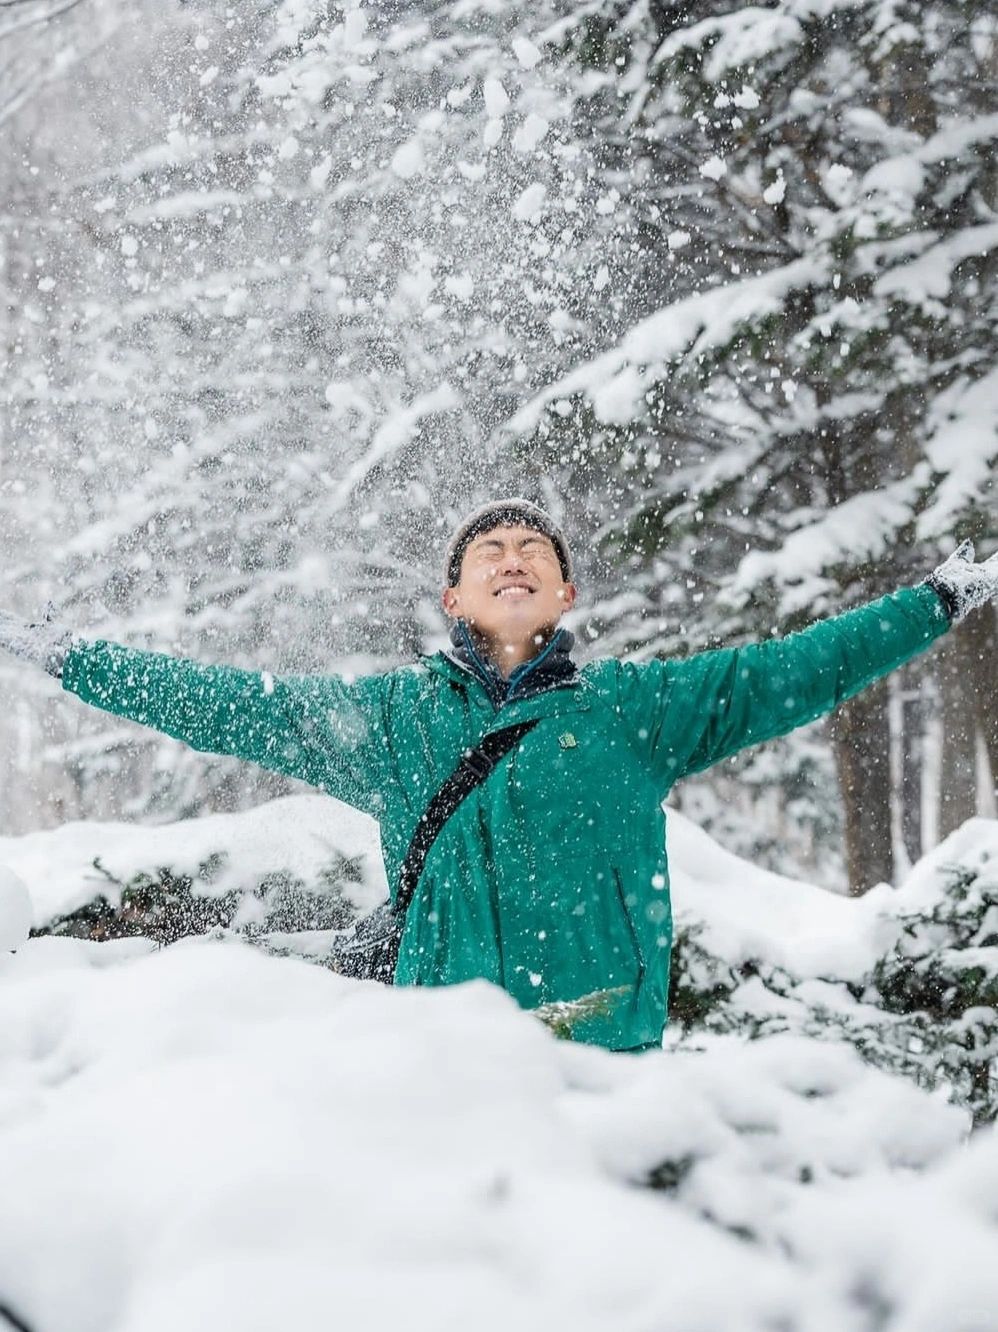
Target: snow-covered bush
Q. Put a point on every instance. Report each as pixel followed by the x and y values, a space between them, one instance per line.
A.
pixel 162 905
pixel 300 865
pixel 923 1001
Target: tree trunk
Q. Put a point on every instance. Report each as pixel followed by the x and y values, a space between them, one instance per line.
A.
pixel 912 716
pixel 979 636
pixel 905 87
pixel 861 743
pixel 958 769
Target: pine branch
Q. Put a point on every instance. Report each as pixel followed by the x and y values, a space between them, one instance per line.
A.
pixel 563 1015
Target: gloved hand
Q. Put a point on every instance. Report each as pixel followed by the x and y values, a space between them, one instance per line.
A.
pixel 963 585
pixel 44 644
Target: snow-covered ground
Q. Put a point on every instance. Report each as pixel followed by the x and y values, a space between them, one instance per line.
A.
pixel 205 1136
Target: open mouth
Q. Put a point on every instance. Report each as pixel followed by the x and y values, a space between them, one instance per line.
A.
pixel 514 590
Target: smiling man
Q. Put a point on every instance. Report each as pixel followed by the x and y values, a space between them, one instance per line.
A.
pixel 508 583
pixel 520 796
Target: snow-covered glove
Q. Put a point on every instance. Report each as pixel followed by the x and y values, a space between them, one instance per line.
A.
pixel 961 584
pixel 44 644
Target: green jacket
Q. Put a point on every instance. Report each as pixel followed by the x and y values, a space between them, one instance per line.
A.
pixel 551 879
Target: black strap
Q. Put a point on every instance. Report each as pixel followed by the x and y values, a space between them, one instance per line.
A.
pixel 475 766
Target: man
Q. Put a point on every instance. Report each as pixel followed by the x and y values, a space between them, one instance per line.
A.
pixel 549 877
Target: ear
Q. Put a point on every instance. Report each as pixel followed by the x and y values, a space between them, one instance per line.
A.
pixel 451 602
pixel 568 596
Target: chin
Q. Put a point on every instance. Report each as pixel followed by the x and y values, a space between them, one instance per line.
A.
pixel 522 619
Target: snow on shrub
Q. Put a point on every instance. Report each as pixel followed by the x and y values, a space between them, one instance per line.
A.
pixel 907 977
pixel 926 1004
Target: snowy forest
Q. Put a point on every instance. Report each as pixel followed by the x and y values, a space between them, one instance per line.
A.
pixel 286 287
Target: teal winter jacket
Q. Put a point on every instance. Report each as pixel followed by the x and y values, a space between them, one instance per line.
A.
pixel 551 878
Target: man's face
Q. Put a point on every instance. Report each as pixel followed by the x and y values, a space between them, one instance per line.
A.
pixel 511 588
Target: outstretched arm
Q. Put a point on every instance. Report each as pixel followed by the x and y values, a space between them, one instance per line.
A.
pixel 743 696
pixel 696 712
pixel 322 729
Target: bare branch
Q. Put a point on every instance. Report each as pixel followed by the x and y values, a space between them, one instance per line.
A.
pixel 35 20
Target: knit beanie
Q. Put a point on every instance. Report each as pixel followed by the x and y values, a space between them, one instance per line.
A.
pixel 514 512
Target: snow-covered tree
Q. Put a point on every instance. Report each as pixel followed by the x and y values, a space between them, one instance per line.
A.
pixel 812 417
pixel 302 307
pixel 44 45
pixel 287 285
pixel 40 40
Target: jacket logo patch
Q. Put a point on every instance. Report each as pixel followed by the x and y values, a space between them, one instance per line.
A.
pixel 567 741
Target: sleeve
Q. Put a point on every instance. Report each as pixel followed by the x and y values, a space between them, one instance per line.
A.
pixel 322 729
pixel 694 713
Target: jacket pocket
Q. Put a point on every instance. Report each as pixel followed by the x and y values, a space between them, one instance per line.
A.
pixel 632 935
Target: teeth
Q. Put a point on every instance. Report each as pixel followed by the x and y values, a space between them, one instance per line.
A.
pixel 515 588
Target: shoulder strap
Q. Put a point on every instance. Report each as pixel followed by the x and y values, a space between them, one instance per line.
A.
pixel 475 766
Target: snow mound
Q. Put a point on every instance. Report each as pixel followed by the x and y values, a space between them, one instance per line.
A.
pixel 15 910
pixel 209 1137
pixel 297 835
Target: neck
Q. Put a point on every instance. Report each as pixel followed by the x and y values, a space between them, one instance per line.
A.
pixel 506 655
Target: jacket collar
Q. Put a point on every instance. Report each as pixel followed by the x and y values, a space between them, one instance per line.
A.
pixel 552 666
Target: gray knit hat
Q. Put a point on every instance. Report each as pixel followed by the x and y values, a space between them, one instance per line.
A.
pixel 514 512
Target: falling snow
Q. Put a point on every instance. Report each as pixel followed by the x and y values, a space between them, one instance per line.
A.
pixel 287 289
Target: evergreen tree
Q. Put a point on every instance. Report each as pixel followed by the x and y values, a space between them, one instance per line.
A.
pixel 813 419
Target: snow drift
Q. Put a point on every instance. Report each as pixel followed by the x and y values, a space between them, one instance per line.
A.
pixel 206 1135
